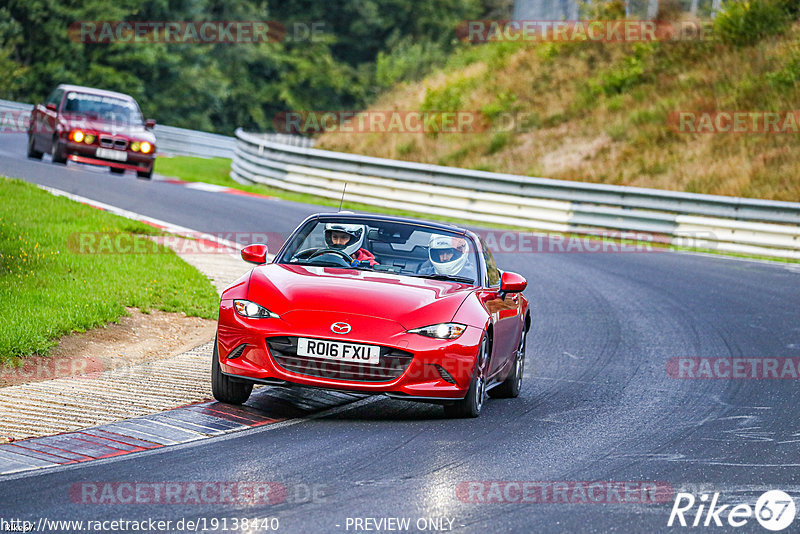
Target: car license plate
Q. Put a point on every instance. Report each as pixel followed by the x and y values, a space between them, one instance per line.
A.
pixel 335 350
pixel 116 155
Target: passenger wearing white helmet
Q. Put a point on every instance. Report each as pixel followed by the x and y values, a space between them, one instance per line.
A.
pixel 447 255
pixel 348 238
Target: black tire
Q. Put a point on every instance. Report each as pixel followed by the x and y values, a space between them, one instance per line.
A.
pixel 145 174
pixel 32 152
pixel 510 387
pixel 115 170
pixel 57 152
pixel 225 388
pixel 470 406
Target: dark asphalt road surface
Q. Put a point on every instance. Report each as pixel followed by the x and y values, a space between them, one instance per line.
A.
pixel 597 402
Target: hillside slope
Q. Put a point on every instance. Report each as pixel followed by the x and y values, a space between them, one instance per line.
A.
pixel 599 112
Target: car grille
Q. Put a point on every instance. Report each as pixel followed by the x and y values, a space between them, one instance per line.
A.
pixel 106 141
pixel 392 364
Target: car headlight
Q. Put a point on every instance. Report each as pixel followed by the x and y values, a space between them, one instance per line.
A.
pixel 246 308
pixel 135 146
pixel 441 331
pixel 76 135
pixel 146 147
pixel 88 139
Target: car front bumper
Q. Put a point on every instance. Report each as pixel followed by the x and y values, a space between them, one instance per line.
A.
pixel 438 369
pixel 83 153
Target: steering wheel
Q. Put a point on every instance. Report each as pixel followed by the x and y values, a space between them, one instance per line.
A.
pixel 311 253
pixel 305 253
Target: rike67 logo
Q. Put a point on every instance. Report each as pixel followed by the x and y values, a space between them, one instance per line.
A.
pixel 774 510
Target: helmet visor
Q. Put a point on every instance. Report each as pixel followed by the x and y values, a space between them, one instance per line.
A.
pixel 338 239
pixel 443 255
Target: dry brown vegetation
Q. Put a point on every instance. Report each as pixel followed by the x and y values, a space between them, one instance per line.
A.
pixel 598 112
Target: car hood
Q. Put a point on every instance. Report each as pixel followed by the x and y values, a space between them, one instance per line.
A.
pixel 137 131
pixel 410 301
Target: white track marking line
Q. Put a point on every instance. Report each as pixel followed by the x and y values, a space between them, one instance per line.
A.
pixel 169 227
pixel 794 267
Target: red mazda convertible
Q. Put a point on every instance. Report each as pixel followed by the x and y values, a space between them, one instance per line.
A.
pixel 375 304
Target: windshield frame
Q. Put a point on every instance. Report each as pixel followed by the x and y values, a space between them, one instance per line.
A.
pixel 128 121
pixel 284 254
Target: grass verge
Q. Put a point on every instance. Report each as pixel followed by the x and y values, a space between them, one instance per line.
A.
pixel 48 289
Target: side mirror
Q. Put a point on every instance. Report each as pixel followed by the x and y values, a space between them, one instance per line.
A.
pixel 50 106
pixel 511 283
pixel 255 253
pixel 150 124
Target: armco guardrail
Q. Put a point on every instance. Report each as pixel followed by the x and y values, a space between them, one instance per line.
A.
pixel 180 141
pixel 14 106
pixel 727 224
pixel 183 142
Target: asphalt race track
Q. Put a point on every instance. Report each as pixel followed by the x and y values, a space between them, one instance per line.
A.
pixel 597 404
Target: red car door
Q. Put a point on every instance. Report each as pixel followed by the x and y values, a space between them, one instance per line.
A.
pixel 45 118
pixel 505 313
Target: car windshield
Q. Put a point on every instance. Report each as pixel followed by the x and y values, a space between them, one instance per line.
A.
pixel 388 246
pixel 106 108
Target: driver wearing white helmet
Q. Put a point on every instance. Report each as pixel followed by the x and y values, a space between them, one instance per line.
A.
pixel 447 255
pixel 348 238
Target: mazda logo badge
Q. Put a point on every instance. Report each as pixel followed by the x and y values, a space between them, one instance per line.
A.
pixel 340 328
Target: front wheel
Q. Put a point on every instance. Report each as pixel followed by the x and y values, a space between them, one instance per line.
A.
pixel 32 152
pixel 57 152
pixel 225 388
pixel 470 406
pixel 115 170
pixel 145 174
